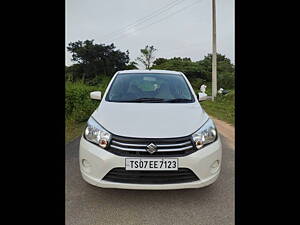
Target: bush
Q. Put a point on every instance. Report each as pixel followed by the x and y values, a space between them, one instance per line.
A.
pixel 226 80
pixel 222 108
pixel 101 81
pixel 78 105
pixel 230 97
pixel 197 82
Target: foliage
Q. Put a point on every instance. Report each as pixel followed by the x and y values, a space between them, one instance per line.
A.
pixel 131 66
pixel 222 108
pixel 184 65
pixel 223 66
pixel 101 81
pixel 147 56
pixel 73 129
pixel 92 59
pixel 159 61
pixel 226 80
pixel 78 105
pixel 200 70
pixel 196 83
pixel 74 73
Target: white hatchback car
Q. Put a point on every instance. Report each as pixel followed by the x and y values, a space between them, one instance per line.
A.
pixel 149 132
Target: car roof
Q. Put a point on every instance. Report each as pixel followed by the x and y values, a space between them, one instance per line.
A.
pixel 149 71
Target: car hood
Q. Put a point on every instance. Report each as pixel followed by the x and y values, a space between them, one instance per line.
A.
pixel 150 120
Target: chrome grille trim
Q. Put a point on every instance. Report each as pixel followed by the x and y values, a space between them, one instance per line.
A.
pixel 175 149
pixel 129 149
pixel 144 150
pixel 174 145
pixel 126 144
pixel 159 145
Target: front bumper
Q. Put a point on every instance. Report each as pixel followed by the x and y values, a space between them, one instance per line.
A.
pixel 101 162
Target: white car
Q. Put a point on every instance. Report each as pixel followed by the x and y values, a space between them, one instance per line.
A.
pixel 149 132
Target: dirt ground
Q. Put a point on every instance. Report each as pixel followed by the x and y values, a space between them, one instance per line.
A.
pixel 227 131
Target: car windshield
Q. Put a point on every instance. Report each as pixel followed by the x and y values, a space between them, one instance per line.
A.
pixel 149 87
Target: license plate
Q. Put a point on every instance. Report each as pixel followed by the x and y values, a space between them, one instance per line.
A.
pixel 151 164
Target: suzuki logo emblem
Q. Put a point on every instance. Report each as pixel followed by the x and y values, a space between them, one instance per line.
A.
pixel 151 148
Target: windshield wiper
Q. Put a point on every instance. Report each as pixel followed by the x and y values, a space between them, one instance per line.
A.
pixel 147 100
pixel 178 100
pixel 158 100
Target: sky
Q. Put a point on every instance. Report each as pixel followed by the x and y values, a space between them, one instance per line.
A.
pixel 176 28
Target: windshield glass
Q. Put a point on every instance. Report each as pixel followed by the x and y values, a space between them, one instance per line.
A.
pixel 148 87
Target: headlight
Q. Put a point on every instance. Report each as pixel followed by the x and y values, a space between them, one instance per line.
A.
pixel 205 135
pixel 97 134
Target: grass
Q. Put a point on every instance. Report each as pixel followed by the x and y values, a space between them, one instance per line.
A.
pixel 222 108
pixel 73 130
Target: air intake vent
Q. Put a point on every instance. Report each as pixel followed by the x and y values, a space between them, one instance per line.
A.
pixel 120 175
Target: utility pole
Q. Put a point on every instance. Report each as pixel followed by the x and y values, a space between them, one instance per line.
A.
pixel 214 53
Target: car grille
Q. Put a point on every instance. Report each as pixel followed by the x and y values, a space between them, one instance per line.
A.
pixel 136 147
pixel 120 175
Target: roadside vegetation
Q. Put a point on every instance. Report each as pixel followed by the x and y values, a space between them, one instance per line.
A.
pixel 222 108
pixel 95 64
pixel 79 106
pixel 73 129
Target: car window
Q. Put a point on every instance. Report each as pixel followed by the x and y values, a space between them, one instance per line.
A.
pixel 147 87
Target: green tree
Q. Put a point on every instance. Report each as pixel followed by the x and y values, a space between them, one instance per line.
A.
pixel 159 61
pixel 131 66
pixel 92 59
pixel 74 72
pixel 147 56
pixel 185 65
pixel 223 65
pixel 199 72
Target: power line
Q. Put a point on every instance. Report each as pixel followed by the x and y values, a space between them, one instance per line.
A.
pixel 144 19
pixel 141 20
pixel 164 18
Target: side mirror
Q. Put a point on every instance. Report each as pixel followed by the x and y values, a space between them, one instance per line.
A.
pixel 95 95
pixel 202 97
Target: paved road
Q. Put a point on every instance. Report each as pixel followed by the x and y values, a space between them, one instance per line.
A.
pixel 89 205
